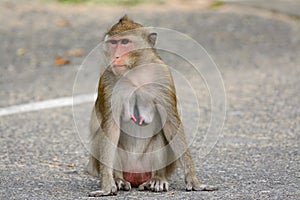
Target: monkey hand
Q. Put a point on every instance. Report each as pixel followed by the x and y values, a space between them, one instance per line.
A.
pixel 192 183
pixel 110 189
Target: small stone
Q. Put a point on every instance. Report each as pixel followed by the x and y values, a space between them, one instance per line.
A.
pixel 20 51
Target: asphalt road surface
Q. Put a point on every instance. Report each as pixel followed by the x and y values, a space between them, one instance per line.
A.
pixel 255 47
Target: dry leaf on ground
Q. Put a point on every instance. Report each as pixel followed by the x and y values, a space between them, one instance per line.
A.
pixel 75 52
pixel 62 22
pixel 59 61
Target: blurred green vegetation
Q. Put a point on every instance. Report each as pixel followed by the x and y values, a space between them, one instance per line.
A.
pixel 122 2
pixel 71 1
pixel 216 3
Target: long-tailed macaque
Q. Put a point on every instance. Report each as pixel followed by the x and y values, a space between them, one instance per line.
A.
pixel 137 135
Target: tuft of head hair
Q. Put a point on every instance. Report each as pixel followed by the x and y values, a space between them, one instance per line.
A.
pixel 124 24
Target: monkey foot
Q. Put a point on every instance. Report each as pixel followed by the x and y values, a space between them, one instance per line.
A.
pixel 155 184
pixel 122 184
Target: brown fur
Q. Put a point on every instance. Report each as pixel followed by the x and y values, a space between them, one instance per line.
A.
pixel 124 24
pixel 107 136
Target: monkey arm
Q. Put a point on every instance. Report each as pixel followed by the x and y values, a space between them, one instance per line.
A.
pixel 104 149
pixel 105 134
pixel 174 133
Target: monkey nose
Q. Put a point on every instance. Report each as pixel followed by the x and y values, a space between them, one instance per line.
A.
pixel 117 61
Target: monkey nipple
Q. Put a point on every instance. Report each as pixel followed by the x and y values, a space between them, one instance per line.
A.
pixel 142 119
pixel 140 122
pixel 133 118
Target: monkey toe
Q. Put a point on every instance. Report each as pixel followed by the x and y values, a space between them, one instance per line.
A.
pixel 159 185
pixel 192 183
pixel 100 193
pixel 206 188
pixel 155 185
pixel 188 187
pixel 106 192
pixel 97 193
pixel 197 187
pixel 144 186
pixel 122 184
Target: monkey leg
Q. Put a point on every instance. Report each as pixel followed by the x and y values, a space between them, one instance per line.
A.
pixel 92 167
pixel 179 145
pixel 191 180
pixel 158 183
pixel 106 152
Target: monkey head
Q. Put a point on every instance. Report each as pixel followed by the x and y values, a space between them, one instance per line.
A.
pixel 126 43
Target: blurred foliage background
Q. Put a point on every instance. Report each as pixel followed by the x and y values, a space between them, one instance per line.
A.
pixel 124 2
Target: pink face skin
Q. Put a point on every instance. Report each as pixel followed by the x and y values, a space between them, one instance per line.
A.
pixel 119 48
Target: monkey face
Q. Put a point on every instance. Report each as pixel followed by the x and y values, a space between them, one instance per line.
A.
pixel 119 48
pixel 124 50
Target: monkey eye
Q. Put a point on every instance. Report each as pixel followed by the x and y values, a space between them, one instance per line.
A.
pixel 125 41
pixel 113 41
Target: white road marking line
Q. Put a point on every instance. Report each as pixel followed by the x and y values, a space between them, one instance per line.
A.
pixel 51 103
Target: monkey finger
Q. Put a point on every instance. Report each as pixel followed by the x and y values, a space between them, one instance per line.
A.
pixel 206 188
pixel 141 187
pixel 144 186
pixel 122 184
pixel 100 193
pixel 188 187
pixel 119 185
pixel 166 186
pixel 192 183
pixel 152 185
pixel 127 186
pixel 158 186
pixel 161 186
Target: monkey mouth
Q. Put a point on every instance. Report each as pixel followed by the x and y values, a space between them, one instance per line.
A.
pixel 120 67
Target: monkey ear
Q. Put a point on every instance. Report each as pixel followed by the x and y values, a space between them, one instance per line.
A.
pixel 152 38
